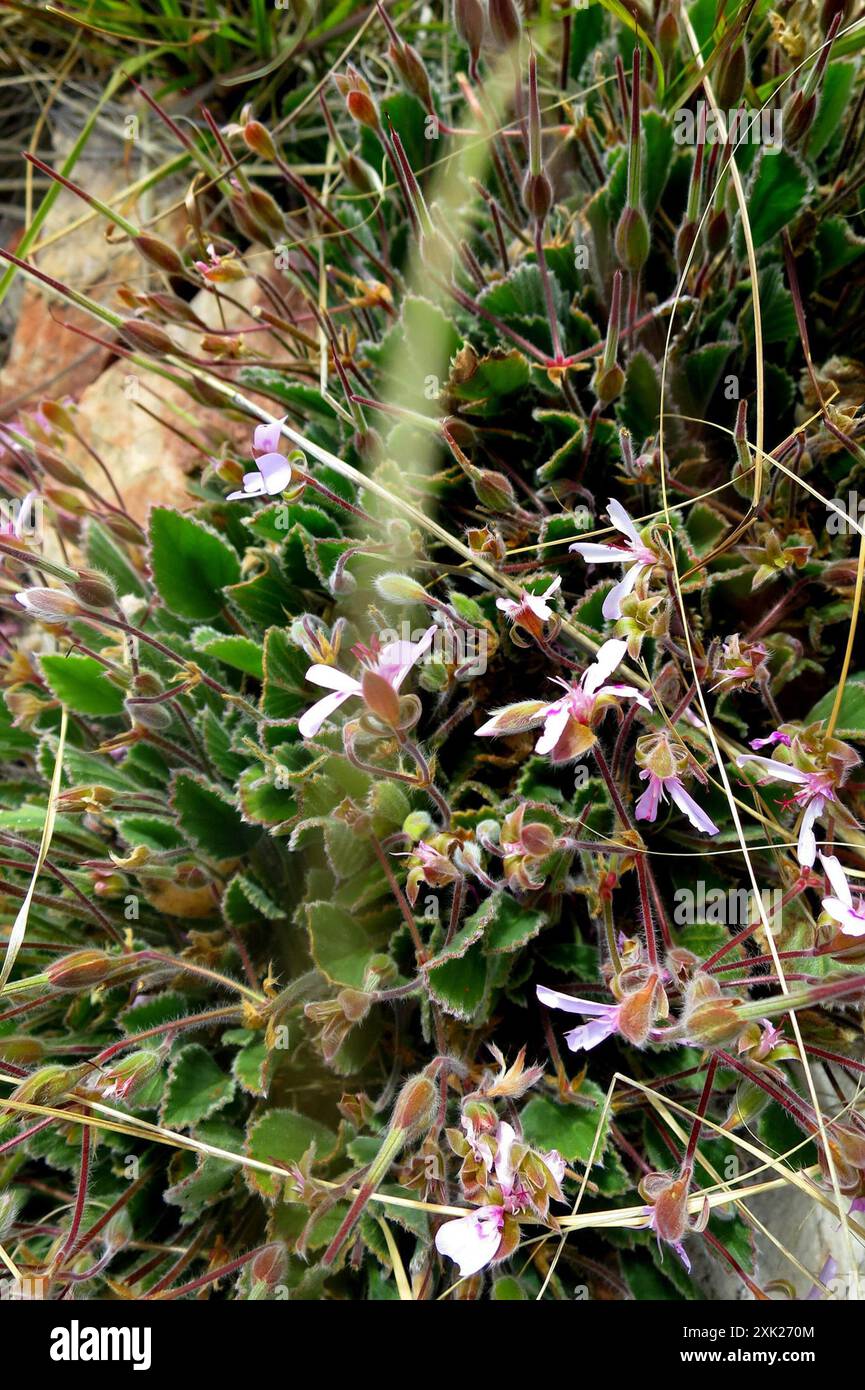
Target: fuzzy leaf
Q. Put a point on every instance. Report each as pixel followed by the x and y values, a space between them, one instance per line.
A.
pixel 191 564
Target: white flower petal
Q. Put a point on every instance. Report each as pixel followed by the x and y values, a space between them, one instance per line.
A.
pixel 609 656
pixel 622 522
pixel 309 723
pixel 612 606
pixel 782 772
pixel 837 878
pixel 696 815
pixel 596 554
pixel 471 1241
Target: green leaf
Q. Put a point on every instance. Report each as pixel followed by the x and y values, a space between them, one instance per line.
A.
pixel 82 683
pixel 339 944
pixel 459 985
pixel 835 94
pixel 549 1124
pixel 210 820
pixel 283 1137
pixel 191 564
pixel 641 398
pixel 286 691
pixel 196 1088
pixel 697 374
pixel 234 650
pixel 851 716
pixel 776 192
pixel 511 925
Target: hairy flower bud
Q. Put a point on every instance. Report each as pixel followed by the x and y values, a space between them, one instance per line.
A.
pixel 94 589
pixel 80 970
pixel 415 1106
pixel 51 605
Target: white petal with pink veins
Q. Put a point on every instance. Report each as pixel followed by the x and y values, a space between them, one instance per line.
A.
pixel 471 1241
pixel 266 438
pixel 555 1000
pixel 554 726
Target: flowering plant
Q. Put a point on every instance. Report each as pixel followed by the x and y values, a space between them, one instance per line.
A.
pixel 490 657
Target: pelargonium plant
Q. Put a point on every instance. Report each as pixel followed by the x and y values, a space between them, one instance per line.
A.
pixel 432 849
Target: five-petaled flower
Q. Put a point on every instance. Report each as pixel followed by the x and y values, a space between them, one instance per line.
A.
pixel 273 472
pixel 841 905
pixel 635 552
pixel 569 722
pixel 384 670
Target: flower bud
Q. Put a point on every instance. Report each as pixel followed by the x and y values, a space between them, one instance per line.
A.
pixel 94 589
pixel 259 140
pixel 411 69
pixel 632 239
pixel 685 240
pixel 80 970
pixel 416 825
pixel 505 22
pixel 492 489
pixel 399 588
pixel 717 232
pixel 537 194
pixel 265 209
pixel 159 253
pixel 415 1106
pixel 51 605
pixel 469 24
pixel 146 336
pixel 58 469
pixel 730 77
pixel 126 1076
pixel 148 714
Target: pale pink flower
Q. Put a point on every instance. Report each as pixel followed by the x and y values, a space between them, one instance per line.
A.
pixel 848 913
pixel 814 791
pixel 272 473
pixel 472 1241
pixel 656 792
pixel 385 669
pixel 604 1017
pixel 530 611
pixel 633 552
pixel 569 721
